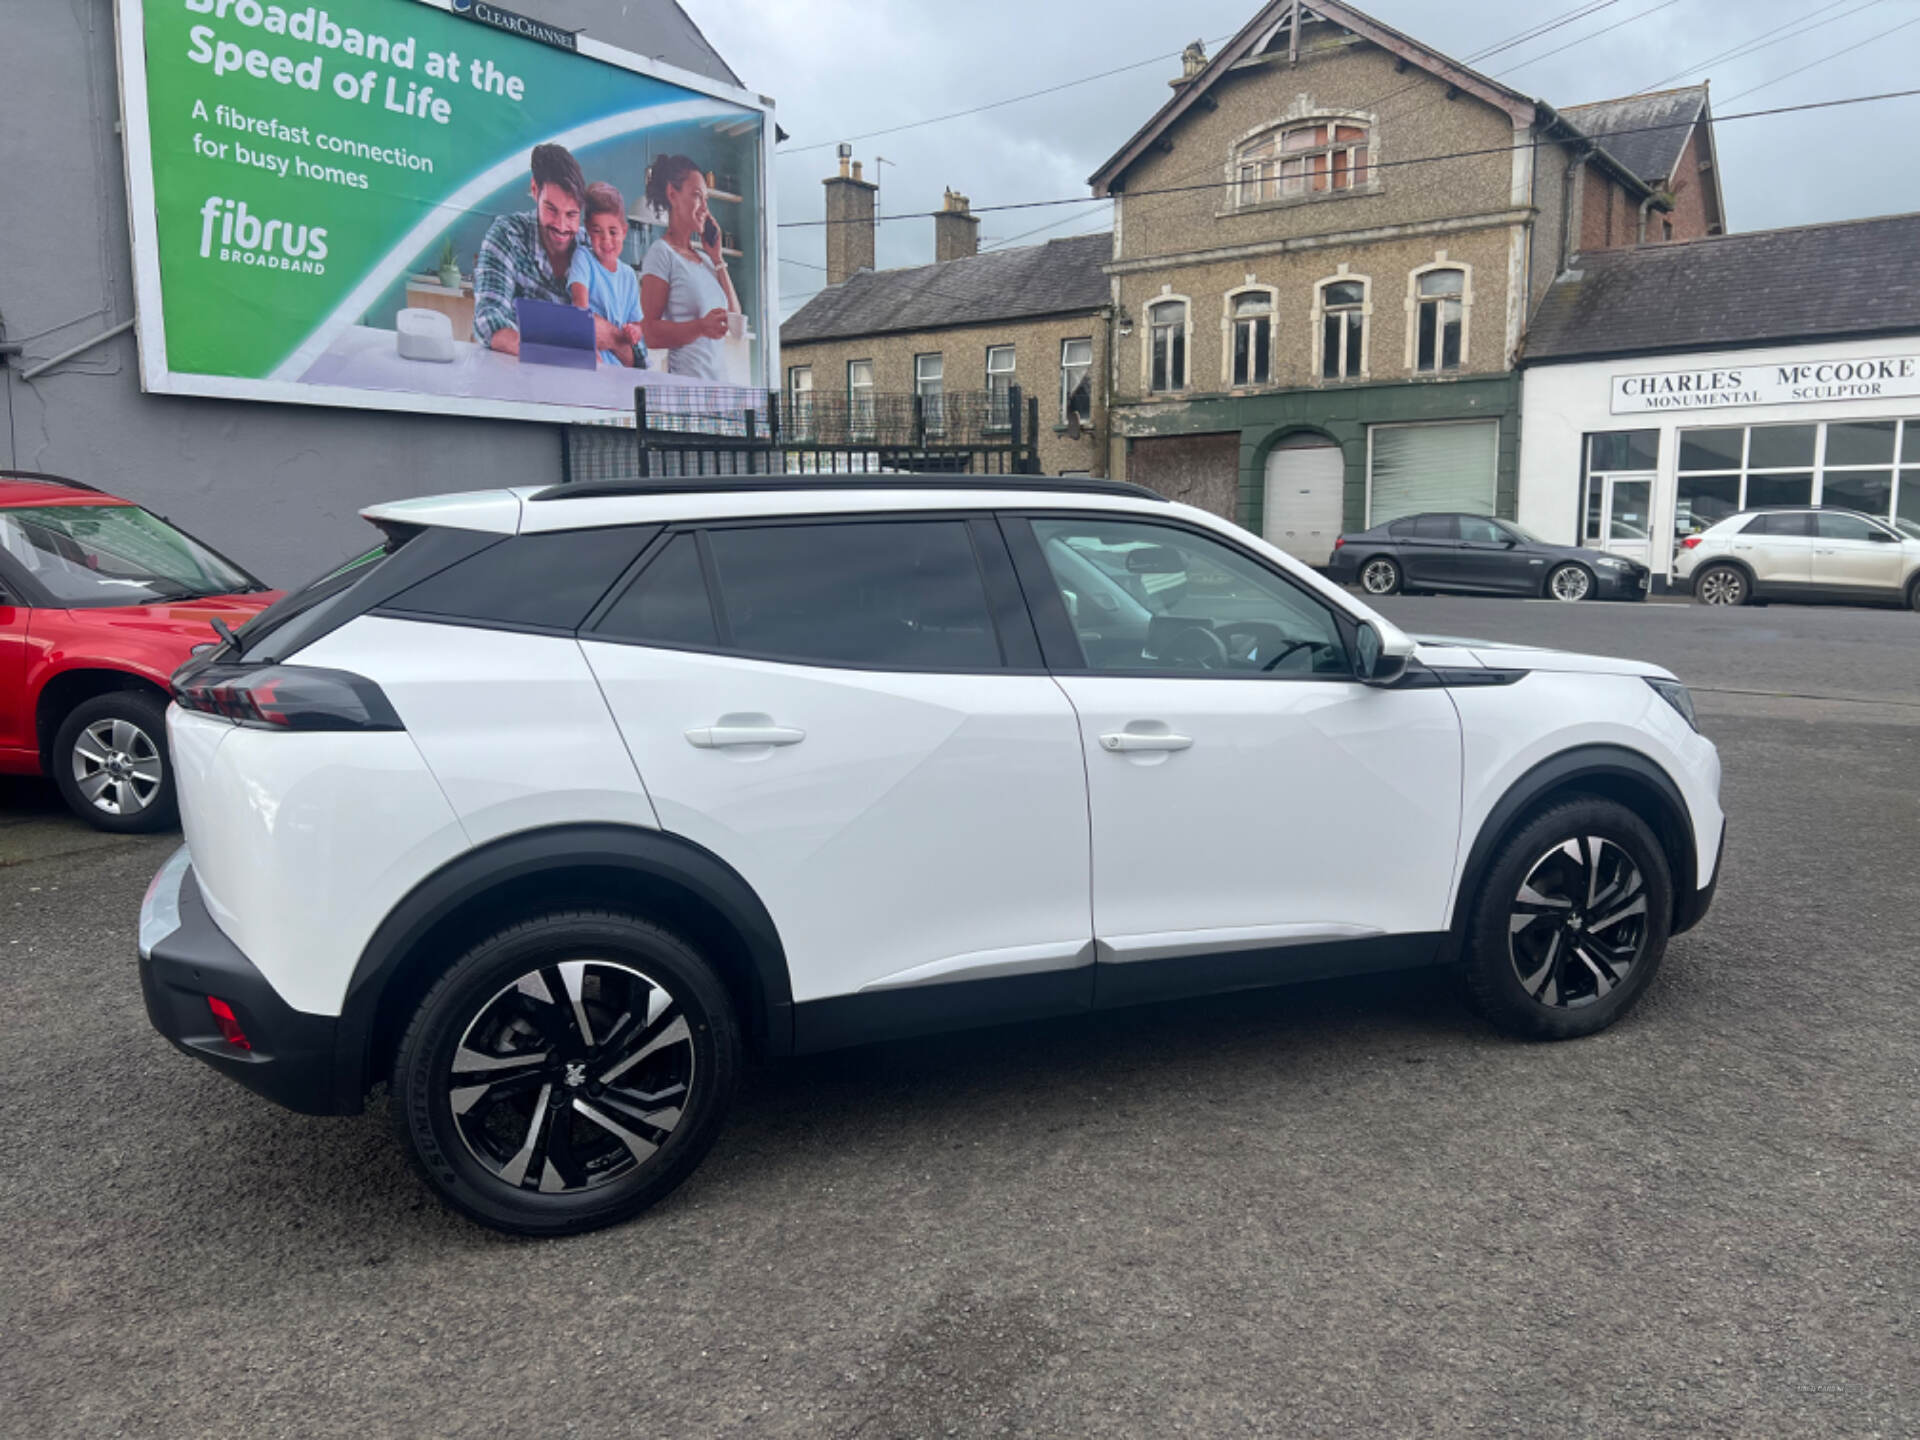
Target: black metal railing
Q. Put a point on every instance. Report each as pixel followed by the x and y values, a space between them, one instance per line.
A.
pixel 696 432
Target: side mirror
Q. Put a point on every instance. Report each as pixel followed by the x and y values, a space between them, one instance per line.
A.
pixel 1377 661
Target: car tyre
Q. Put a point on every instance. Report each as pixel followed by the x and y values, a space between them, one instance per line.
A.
pixel 566 1073
pixel 1722 585
pixel 1571 583
pixel 1571 922
pixel 1380 576
pixel 111 764
pixel 1913 594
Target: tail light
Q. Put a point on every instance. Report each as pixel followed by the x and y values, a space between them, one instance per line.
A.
pixel 229 1023
pixel 284 697
pixel 1338 541
pixel 1689 542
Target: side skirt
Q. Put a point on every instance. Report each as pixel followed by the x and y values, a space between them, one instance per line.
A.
pixel 875 1015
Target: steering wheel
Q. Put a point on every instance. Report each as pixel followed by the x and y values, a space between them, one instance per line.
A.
pixel 1247 639
pixel 1208 651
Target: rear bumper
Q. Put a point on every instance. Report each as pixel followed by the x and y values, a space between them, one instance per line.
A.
pixel 185 957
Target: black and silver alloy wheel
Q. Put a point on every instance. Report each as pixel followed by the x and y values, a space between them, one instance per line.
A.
pixel 1721 585
pixel 566 1072
pixel 117 767
pixel 1570 921
pixel 1380 576
pixel 1570 583
pixel 572 1076
pixel 109 758
pixel 1579 922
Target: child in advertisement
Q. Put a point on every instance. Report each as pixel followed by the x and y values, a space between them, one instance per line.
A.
pixel 599 281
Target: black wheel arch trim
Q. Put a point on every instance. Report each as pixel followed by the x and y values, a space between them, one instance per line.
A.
pixel 649 854
pixel 1566 770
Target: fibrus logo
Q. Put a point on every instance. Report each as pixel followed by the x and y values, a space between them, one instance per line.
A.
pixel 246 239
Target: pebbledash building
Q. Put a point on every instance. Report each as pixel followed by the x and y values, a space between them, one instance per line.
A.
pixel 1667 387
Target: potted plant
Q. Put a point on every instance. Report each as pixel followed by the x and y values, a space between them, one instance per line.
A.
pixel 449 265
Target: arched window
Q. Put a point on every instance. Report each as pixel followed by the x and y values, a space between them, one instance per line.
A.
pixel 1316 157
pixel 1250 315
pixel 1343 328
pixel 1440 321
pixel 1167 345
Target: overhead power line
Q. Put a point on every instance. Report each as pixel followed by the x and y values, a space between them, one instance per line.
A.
pixel 1857 45
pixel 1754 45
pixel 1390 164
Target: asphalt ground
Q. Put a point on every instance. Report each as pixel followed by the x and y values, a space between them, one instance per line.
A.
pixel 1344 1209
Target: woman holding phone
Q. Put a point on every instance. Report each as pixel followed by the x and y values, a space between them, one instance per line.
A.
pixel 686 295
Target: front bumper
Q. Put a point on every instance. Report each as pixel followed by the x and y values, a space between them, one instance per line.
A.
pixel 1611 584
pixel 185 957
pixel 1691 908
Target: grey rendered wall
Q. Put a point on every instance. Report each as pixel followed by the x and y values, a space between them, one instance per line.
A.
pixel 277 487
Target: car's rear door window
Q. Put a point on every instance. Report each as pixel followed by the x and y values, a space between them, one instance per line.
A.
pixel 667 604
pixel 1786 522
pixel 1436 527
pixel 896 594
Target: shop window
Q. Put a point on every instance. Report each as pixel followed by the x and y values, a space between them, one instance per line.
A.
pixel 1167 345
pixel 1076 379
pixel 1617 484
pixel 1440 320
pixel 1317 158
pixel 1906 494
pixel 1251 315
pixel 1343 329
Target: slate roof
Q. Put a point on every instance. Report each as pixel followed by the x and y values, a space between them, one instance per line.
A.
pixel 1059 277
pixel 1649 153
pixel 1812 282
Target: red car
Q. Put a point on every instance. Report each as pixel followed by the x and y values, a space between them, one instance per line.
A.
pixel 100 602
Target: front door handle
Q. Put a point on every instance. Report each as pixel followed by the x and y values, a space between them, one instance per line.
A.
pixel 720 737
pixel 1128 740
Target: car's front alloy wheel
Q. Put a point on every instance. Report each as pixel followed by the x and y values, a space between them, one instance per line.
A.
pixel 110 762
pixel 1571 921
pixel 566 1073
pixel 1570 583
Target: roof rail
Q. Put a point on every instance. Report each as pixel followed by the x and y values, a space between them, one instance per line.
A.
pixel 1040 484
pixel 40 477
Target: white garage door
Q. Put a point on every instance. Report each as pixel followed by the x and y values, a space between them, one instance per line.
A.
pixel 1306 487
pixel 1411 468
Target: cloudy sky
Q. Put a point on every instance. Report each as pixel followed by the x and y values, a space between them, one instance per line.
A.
pixel 840 69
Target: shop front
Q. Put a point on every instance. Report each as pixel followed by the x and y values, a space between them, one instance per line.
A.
pixel 1632 454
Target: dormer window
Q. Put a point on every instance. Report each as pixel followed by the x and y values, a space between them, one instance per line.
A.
pixel 1299 160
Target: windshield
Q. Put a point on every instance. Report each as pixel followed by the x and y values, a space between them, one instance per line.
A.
pixel 88 555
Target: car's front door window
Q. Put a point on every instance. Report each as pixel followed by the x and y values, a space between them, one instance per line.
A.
pixel 1160 599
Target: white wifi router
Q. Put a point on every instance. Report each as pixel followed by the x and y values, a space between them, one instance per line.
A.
pixel 424 335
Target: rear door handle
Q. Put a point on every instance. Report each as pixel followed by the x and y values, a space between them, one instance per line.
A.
pixel 719 737
pixel 1125 740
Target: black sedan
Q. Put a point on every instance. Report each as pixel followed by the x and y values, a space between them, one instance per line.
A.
pixel 1472 553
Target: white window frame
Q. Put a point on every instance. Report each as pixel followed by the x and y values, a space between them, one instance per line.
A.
pixel 1274 187
pixel 1085 368
pixel 998 415
pixel 1440 262
pixel 1166 297
pixel 860 418
pixel 1229 326
pixel 800 412
pixel 1317 333
pixel 935 414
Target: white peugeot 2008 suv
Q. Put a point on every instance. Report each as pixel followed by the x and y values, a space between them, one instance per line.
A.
pixel 560 802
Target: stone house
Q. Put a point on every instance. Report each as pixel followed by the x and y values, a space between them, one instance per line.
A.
pixel 1328 244
pixel 1032 317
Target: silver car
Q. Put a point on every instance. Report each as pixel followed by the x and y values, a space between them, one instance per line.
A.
pixel 1805 553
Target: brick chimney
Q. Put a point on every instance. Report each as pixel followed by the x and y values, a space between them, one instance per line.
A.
pixel 956 229
pixel 849 220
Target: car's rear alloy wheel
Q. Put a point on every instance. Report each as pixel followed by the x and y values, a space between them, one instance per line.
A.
pixel 110 762
pixel 566 1073
pixel 1720 585
pixel 1380 576
pixel 1570 583
pixel 1571 921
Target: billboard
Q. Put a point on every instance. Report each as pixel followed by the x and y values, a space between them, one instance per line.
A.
pixel 438 205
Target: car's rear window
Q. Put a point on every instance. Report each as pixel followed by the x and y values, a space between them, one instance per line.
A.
pixel 301 612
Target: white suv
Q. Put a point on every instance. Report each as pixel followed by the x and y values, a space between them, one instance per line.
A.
pixel 1808 553
pixel 556 805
